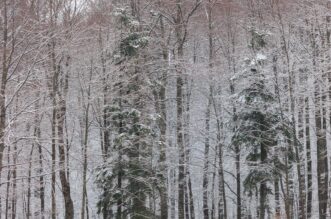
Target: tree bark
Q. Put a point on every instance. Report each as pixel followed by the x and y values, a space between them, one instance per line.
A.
pixel 8 184
pixel 179 100
pixel 69 208
pixel 309 161
pixel 84 207
pixel 263 185
pixel 163 128
pixel 61 114
pixel 28 210
pixel 3 85
pixel 222 206
pixel 206 162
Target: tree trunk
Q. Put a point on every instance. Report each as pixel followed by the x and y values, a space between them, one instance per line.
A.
pixel 322 163
pixel 53 183
pixel 63 156
pixel 237 158
pixel 301 162
pixel 3 85
pixel 14 196
pixel 84 206
pixel 8 184
pixel 263 185
pixel 69 208
pixel 277 199
pixel 222 208
pixel 320 120
pixel 28 210
pixel 191 202
pixel 41 178
pixel 206 162
pixel 186 194
pixel 309 161
pixel 163 128
pixel 180 143
pixel 213 197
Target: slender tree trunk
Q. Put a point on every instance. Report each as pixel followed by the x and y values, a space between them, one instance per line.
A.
pixel 84 206
pixel 28 211
pixel 277 199
pixel 61 115
pixel 173 200
pixel 237 158
pixel 301 161
pixel 180 143
pixel 53 90
pixel 180 108
pixel 41 178
pixel 292 147
pixel 163 128
pixel 53 183
pixel 222 206
pixel 322 164
pixel 309 161
pixel 105 115
pixel 277 180
pixel 8 184
pixel 263 185
pixel 3 85
pixel 69 208
pixel 105 121
pixel 222 201
pixel 14 196
pixel 320 120
pixel 120 175
pixel 186 194
pixel 213 197
pixel 191 202
pixel 327 69
pixel 206 162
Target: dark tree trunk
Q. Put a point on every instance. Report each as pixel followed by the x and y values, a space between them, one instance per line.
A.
pixel 322 164
pixel 263 185
pixel 180 143
pixel 28 210
pixel 277 199
pixel 69 208
pixel 53 183
pixel 206 163
pixel 309 162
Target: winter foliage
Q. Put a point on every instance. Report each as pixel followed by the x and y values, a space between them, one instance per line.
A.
pixel 165 109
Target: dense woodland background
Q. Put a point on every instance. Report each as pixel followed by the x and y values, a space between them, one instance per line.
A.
pixel 188 109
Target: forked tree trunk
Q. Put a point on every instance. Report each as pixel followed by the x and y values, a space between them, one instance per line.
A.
pixel 61 114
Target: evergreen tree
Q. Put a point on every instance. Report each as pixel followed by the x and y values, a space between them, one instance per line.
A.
pixel 126 176
pixel 260 131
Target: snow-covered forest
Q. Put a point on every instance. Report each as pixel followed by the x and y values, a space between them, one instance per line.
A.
pixel 165 109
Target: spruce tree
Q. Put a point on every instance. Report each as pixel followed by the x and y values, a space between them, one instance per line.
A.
pixel 126 176
pixel 261 131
